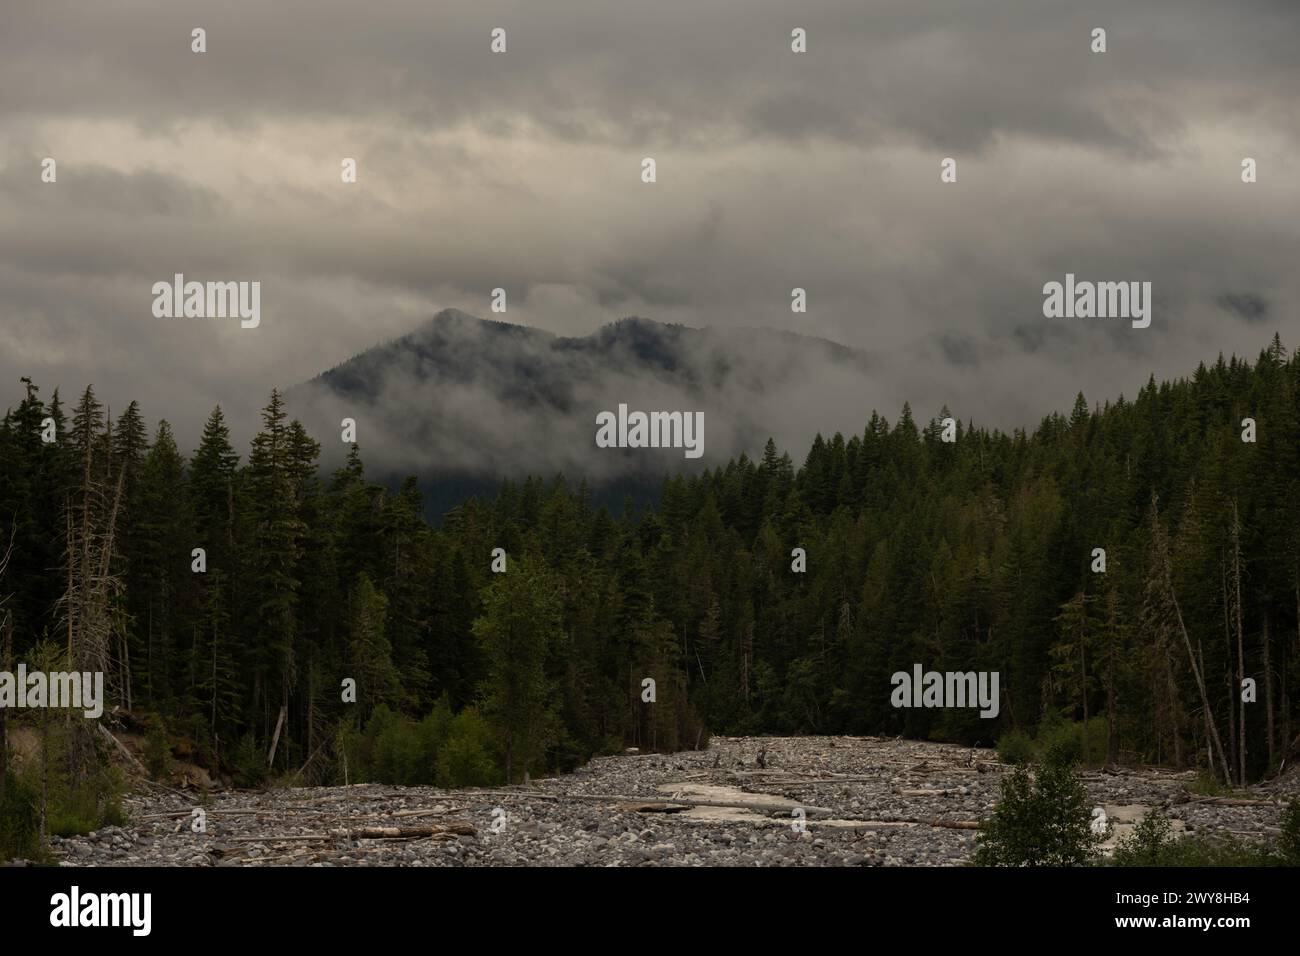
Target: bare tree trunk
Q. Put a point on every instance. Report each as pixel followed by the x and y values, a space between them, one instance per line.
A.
pixel 1200 683
pixel 634 701
pixel 1268 695
pixel 6 648
pixel 1241 654
pixel 214 673
pixel 311 707
pixel 71 590
pixel 148 658
pixel 45 770
pixel 127 696
pixel 1227 640
pixel 510 754
pixel 275 739
pixel 747 660
pixel 1083 678
pixel 1167 579
pixel 1112 640
pixel 1286 669
pixel 1176 729
pixel 1209 746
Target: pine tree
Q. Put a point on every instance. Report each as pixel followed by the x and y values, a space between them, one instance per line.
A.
pixel 370 653
pixel 274 550
pixel 521 619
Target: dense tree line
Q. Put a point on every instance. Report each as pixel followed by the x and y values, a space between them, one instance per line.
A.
pixel 974 554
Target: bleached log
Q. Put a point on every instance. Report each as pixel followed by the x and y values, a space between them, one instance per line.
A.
pixel 405 833
pixel 122 747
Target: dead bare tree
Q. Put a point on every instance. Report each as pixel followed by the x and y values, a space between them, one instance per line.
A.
pixel 1235 532
pixel 1112 639
pixel 6 649
pixel 1268 697
pixel 1228 671
pixel 1162 584
pixel 90 605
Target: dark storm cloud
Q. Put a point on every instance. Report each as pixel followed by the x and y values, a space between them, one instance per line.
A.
pixel 775 171
pixel 959 349
pixel 1246 306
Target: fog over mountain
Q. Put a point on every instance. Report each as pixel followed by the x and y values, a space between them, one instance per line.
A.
pixel 464 396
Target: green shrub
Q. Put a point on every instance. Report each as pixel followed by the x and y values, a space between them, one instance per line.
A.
pixel 1070 742
pixel 1148 843
pixel 1015 747
pixel 468 759
pixel 95 803
pixel 75 814
pixel 112 813
pixel 442 749
pixel 396 755
pixel 248 764
pixel 1153 844
pixel 1060 743
pixel 1042 819
pixel 1225 850
pixel 432 734
pixel 20 820
pixel 92 801
pixel 381 718
pixel 1208 784
pixel 1288 842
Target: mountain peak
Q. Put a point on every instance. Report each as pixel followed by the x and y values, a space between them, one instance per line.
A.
pixel 461 395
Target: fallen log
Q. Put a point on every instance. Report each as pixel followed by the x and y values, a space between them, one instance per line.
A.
pixel 520 794
pixel 818 781
pixel 122 747
pixel 427 813
pixel 758 806
pixel 863 824
pixel 448 832
pixel 1233 802
pixel 214 812
pixel 652 807
pixel 405 833
pixel 943 824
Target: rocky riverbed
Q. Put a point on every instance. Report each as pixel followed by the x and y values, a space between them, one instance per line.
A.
pixel 797 801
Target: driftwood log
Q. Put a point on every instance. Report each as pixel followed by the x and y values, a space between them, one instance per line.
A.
pixel 1233 802
pixel 448 832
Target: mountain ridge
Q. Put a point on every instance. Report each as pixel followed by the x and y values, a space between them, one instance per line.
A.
pixel 465 395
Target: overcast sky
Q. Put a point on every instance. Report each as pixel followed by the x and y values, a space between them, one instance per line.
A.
pixel 522 170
